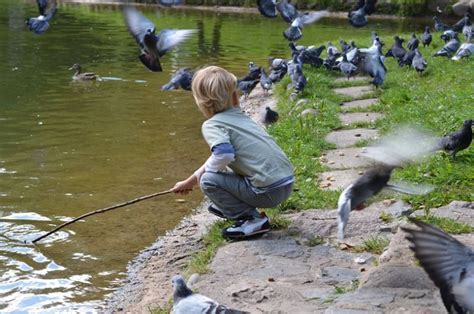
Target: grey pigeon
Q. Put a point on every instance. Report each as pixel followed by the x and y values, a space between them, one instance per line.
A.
pixel 346 67
pixel 413 42
pixel 468 32
pixel 465 51
pixel 372 62
pixel 295 30
pixel 152 46
pixel 185 301
pixel 47 9
pixel 309 55
pixel 397 51
pixel 267 8
pixel 332 53
pixel 246 87
pixel 407 59
pixel 253 74
pixel 440 26
pixel 448 35
pixel 358 15
pixel 449 264
pixel 448 49
pixel 466 20
pixel 295 70
pixel 181 78
pixel 457 141
pixel 170 3
pixel 270 117
pixel 419 63
pixel 344 46
pixel 287 11
pixel 278 69
pixel 265 81
pixel 426 38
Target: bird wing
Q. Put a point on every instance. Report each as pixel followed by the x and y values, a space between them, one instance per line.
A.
pixel 169 38
pixel 445 259
pixel 370 6
pixel 195 303
pixel 42 5
pixel 287 11
pixel 357 7
pixel 408 188
pixel 343 211
pixel 267 8
pixel 311 17
pixel 138 25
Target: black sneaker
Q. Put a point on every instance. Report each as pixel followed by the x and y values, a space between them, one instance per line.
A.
pixel 247 228
pixel 216 212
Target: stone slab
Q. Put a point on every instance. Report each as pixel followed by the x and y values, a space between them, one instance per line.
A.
pixel 345 158
pixel 347 138
pixel 363 103
pixel 457 210
pixel 358 117
pixel 354 78
pixel 338 179
pixel 355 91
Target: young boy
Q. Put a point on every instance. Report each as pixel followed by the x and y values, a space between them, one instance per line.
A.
pixel 262 175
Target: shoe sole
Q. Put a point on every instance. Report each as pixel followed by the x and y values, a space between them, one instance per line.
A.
pixel 242 236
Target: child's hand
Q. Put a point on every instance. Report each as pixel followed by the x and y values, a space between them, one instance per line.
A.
pixel 184 187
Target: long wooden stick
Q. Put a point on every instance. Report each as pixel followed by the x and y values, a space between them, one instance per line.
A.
pixel 103 210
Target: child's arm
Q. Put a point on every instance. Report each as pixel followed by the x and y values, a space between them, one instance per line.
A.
pixel 222 155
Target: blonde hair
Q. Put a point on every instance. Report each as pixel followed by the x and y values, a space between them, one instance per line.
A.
pixel 212 90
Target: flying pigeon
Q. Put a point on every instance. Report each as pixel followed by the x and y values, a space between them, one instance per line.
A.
pixel 295 30
pixel 40 24
pixel 465 51
pixel 152 46
pixel 310 55
pixel 181 78
pixel 419 63
pixel 270 117
pixel 265 82
pixel 185 301
pixel 413 42
pixel 448 262
pixel 440 26
pixel 270 8
pixel 371 62
pixel 448 49
pixel 358 15
pixel 457 141
pixel 426 38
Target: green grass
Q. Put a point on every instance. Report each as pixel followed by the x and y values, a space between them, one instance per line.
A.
pixel 439 101
pixel 374 244
pixel 314 241
pixel 352 287
pixel 447 224
pixel 386 217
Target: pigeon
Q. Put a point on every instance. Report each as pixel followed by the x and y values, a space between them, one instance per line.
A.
pixel 440 26
pixel 253 74
pixel 270 117
pixel 80 76
pixel 185 301
pixel 331 56
pixel 448 35
pixel 265 82
pixel 407 59
pixel 346 67
pixel 466 20
pixel 426 38
pixel 419 63
pixel 152 46
pixel 468 32
pixel 448 262
pixel 457 141
pixel 278 69
pixel 247 87
pixel 345 47
pixel 267 8
pixel 270 8
pixel 448 49
pixel 170 3
pixel 40 24
pixel 181 78
pixel 295 30
pixel 413 42
pixel 466 50
pixel 311 55
pixel 371 62
pixel 358 15
pixel 397 51
pixel 298 79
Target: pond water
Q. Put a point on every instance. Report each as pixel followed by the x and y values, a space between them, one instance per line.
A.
pixel 67 148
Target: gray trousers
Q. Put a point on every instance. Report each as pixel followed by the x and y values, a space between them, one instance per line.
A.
pixel 231 194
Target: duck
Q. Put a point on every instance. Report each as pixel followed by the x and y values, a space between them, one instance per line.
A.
pixel 79 76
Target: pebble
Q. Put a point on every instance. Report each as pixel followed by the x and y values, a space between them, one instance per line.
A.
pixel 180 200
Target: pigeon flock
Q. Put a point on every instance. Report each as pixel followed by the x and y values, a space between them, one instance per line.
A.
pixel 449 263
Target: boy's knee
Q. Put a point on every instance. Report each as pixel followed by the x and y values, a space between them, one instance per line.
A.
pixel 207 181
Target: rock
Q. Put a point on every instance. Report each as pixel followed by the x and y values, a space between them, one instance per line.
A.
pixel 337 179
pixel 355 92
pixel 363 103
pixel 397 251
pixel 393 276
pixel 336 275
pixel 347 138
pixel 457 210
pixel 343 158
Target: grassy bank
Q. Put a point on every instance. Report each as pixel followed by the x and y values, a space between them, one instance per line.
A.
pixel 439 101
